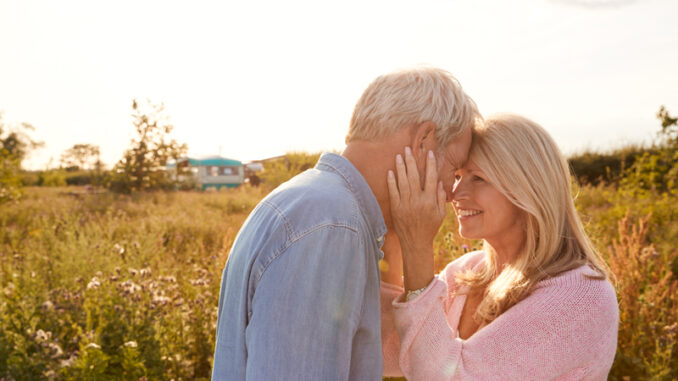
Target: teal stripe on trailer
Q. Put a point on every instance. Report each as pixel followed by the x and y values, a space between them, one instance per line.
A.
pixel 219 186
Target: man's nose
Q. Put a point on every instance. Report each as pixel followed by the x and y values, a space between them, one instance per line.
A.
pixel 448 187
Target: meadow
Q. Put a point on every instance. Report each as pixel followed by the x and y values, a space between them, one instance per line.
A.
pixel 103 286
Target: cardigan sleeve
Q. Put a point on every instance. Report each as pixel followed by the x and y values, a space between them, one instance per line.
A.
pixel 390 342
pixel 566 329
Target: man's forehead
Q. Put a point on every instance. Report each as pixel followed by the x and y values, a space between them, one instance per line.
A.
pixel 458 149
pixel 456 155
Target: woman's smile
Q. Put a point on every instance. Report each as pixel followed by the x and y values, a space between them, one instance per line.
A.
pixel 463 214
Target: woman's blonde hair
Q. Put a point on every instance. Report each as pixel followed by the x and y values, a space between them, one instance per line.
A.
pixel 416 95
pixel 522 161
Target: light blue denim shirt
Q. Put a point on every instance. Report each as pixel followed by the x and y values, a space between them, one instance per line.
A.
pixel 300 292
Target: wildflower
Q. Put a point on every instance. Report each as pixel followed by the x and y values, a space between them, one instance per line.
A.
pixel 132 271
pixel 9 290
pixel 145 271
pixel 42 336
pixel 131 344
pixel 56 349
pixel 94 283
pixel 93 345
pixel 129 287
pixel 48 305
pixel 119 249
pixel 464 247
pixel 199 282
pixel 67 363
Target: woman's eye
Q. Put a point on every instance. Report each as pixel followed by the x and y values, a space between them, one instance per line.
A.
pixel 478 179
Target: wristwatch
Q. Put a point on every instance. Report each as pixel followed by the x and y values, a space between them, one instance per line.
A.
pixel 414 293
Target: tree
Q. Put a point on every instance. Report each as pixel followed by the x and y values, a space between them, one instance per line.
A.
pixel 656 170
pixel 83 156
pixel 669 126
pixel 143 164
pixel 15 144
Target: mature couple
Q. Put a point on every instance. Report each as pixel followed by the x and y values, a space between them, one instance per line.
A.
pixel 302 296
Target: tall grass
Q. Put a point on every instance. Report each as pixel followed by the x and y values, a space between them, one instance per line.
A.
pixel 110 287
pixel 102 286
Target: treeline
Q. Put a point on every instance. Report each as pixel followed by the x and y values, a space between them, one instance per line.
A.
pixel 645 168
pixel 142 166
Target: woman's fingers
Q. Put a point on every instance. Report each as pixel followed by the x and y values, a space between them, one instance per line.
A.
pixel 401 174
pixel 442 200
pixel 412 171
pixel 431 174
pixel 393 194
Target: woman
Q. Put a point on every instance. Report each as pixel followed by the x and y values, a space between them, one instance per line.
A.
pixel 536 303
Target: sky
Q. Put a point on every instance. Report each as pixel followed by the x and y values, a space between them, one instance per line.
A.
pixel 255 79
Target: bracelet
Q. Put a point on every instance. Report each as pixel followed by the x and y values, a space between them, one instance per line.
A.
pixel 414 293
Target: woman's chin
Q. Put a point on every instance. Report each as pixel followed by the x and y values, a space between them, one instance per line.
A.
pixel 467 234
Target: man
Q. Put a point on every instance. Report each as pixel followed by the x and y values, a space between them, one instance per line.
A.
pixel 300 292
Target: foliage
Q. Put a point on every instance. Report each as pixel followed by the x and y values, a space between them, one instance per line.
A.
pixel 648 304
pixel 52 178
pixel 656 171
pixel 109 287
pixel 594 168
pixel 277 171
pixel 15 144
pixel 86 159
pixel 82 156
pixel 142 167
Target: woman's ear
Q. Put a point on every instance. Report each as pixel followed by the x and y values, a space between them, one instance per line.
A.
pixel 423 140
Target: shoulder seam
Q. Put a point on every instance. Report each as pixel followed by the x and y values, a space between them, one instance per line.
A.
pixel 281 215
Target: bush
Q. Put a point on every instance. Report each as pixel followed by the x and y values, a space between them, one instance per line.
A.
pixel 51 178
pixel 278 171
pixel 604 167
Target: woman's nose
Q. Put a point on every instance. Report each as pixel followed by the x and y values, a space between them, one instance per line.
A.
pixel 459 190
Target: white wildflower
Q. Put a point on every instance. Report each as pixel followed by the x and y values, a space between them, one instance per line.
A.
pixel 119 249
pixel 42 336
pixel 131 344
pixel 94 283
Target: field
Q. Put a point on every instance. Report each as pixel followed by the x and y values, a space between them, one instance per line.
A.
pixel 103 286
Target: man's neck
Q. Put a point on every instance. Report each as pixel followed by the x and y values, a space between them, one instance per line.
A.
pixel 373 161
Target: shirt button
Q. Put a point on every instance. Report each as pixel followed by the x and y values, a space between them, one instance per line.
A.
pixel 380 239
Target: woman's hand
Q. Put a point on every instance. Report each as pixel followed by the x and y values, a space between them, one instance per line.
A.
pixel 417 215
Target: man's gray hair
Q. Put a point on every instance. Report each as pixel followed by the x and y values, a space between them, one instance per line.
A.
pixel 413 96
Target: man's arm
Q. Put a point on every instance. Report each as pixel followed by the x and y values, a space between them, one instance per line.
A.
pixel 306 308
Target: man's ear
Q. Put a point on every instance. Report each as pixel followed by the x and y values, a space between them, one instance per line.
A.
pixel 423 140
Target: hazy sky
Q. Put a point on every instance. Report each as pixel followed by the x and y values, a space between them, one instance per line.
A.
pixel 257 79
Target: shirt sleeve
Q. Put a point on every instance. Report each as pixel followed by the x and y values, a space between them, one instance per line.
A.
pixel 557 332
pixel 306 308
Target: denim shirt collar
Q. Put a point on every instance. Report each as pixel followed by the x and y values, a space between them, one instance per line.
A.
pixel 362 191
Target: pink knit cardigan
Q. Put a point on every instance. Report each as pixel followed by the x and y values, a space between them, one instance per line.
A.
pixel 565 330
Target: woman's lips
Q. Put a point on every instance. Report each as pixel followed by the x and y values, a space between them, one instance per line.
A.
pixel 467 213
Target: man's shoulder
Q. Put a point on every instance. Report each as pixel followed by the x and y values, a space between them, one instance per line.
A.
pixel 315 198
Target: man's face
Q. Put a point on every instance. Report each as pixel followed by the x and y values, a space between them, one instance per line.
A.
pixel 452 158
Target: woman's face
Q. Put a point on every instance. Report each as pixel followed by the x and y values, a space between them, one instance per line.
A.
pixel 482 211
